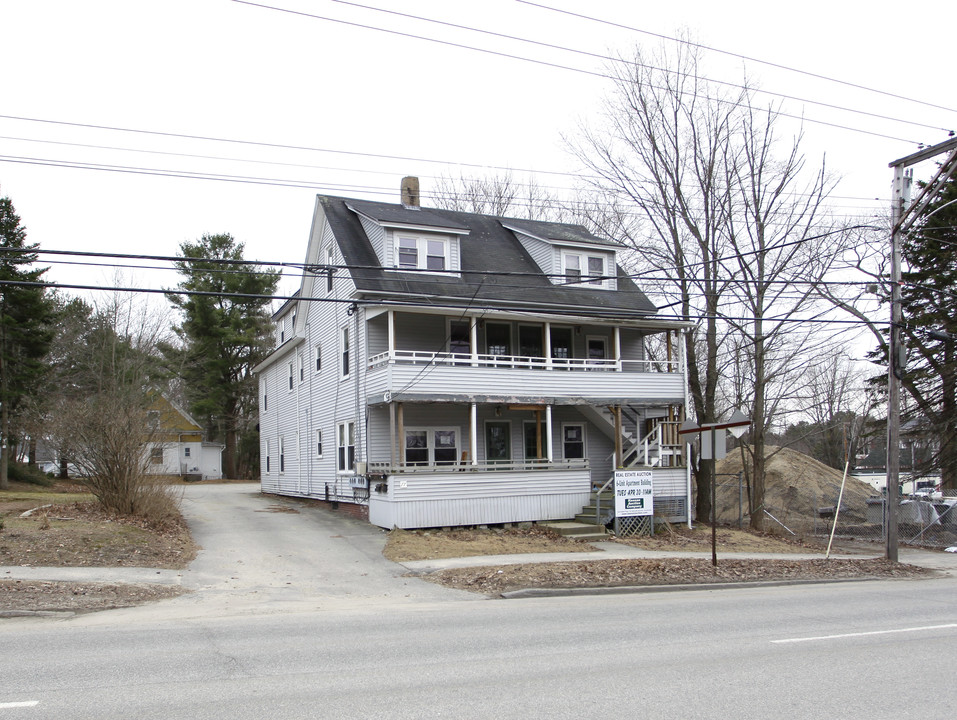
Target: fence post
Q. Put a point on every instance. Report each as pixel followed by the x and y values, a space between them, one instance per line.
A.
pixel 740 501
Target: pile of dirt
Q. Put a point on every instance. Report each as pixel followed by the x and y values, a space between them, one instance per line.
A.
pixel 796 486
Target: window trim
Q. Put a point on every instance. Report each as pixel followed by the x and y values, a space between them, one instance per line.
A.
pixel 342 459
pixel 345 351
pixel 317 358
pixel 584 439
pixel 604 342
pixel 317 443
pixel 422 254
pixel 292 375
pixel 585 276
pixel 282 455
pixel 430 431
pixel 266 443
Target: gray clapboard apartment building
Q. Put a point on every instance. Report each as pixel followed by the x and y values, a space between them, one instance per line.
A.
pixel 443 368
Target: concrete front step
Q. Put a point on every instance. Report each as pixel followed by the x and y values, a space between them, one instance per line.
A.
pixel 577 530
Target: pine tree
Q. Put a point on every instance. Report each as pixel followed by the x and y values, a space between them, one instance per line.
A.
pixel 224 336
pixel 26 314
pixel 929 302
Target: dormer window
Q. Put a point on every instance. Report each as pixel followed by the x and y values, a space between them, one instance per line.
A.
pixel 415 252
pixel 583 268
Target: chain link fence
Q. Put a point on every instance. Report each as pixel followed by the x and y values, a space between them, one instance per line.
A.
pixel 810 511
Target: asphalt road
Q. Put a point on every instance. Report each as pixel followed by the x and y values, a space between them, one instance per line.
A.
pixel 844 650
pixel 350 637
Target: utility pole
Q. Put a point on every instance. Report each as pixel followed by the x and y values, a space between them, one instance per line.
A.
pixel 903 216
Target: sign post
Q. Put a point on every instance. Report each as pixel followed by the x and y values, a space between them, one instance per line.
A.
pixel 714 444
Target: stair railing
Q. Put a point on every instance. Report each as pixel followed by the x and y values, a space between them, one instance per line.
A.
pixel 598 499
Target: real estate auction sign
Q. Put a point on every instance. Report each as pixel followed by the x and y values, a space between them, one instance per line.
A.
pixel 633 493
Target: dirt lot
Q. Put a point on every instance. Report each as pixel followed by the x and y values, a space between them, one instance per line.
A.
pixel 66 528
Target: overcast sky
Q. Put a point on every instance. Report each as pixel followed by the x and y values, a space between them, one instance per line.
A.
pixel 364 108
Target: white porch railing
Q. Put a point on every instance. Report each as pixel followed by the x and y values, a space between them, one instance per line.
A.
pixel 386 468
pixel 415 357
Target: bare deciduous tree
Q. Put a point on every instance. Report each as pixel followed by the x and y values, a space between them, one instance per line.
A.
pixel 691 179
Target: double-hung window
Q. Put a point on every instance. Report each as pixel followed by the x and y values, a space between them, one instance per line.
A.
pixel 421 253
pixel 290 376
pixel 346 447
pixel 266 454
pixel 318 443
pixel 582 268
pixel 318 355
pixel 282 455
pixel 573 441
pixel 431 446
pixel 344 349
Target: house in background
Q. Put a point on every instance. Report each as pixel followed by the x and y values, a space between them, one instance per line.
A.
pixel 441 368
pixel 177 446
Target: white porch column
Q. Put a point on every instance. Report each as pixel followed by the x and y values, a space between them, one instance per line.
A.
pixel 473 343
pixel 390 314
pixel 549 452
pixel 473 434
pixel 548 345
pixel 617 340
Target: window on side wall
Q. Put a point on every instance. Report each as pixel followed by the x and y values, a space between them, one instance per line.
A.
pixel 282 455
pixel 318 357
pixel 290 375
pixel 302 367
pixel 329 270
pixel 266 454
pixel 344 346
pixel 318 443
pixel 156 456
pixel 346 447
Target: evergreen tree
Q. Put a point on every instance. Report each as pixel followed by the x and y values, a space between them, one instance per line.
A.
pixel 25 316
pixel 224 335
pixel 929 303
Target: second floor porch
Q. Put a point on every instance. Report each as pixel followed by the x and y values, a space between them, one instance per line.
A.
pixel 483 357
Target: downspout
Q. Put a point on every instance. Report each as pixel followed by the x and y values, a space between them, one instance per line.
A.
pixel 683 355
pixel 298 429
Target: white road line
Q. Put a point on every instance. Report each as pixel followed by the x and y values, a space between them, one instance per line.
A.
pixel 865 634
pixel 26 703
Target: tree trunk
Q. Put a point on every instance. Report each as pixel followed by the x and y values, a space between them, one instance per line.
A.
pixel 4 419
pixel 757 428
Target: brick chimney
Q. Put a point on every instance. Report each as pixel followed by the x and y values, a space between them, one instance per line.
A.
pixel 410 191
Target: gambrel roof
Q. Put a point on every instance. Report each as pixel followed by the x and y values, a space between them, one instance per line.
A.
pixel 488 245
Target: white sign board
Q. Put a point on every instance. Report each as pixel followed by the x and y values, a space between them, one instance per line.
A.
pixel 634 493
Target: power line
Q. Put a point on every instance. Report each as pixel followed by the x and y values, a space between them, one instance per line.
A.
pixel 609 314
pixel 736 55
pixel 539 62
pixel 633 63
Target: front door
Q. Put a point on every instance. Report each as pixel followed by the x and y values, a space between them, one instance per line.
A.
pixel 498 441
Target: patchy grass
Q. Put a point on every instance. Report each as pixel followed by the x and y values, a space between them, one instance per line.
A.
pixel 404 545
pixel 68 528
pixel 680 539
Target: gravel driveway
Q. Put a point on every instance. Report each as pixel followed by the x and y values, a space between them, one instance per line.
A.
pixel 270 554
